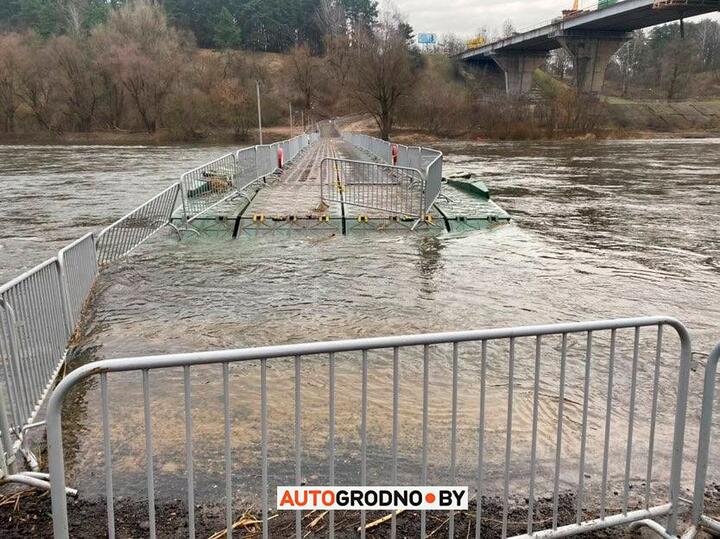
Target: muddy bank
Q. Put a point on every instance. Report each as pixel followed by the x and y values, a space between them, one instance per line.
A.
pixel 28 514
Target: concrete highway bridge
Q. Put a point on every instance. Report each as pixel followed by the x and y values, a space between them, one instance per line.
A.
pixel 591 37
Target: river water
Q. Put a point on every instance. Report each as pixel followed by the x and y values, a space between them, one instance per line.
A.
pixel 599 230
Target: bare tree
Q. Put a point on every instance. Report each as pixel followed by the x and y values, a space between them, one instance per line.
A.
pixel 10 53
pixel 559 63
pixel 37 88
pixel 145 56
pixel 628 59
pixel 383 75
pixel 675 70
pixel 78 81
pixel 304 75
pixel 508 29
pixel 451 44
pixel 73 11
pixel 331 18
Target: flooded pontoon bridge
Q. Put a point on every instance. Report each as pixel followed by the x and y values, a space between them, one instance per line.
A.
pixel 344 185
pixel 527 416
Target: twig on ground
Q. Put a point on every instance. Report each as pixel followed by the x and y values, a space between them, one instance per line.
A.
pixel 382 520
pixel 245 521
pixel 317 519
pixel 439 527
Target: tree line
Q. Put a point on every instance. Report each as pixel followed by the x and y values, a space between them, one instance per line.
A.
pixel 262 25
pixel 134 70
pixel 137 65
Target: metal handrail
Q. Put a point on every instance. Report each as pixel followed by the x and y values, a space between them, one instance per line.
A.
pixel 227 178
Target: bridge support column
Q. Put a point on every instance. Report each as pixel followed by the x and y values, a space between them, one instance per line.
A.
pixel 519 67
pixel 591 53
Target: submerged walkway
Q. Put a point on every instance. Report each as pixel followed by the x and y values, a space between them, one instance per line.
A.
pixel 291 200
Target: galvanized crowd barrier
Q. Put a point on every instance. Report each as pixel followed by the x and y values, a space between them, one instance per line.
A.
pixel 130 232
pixel 78 270
pixel 424 159
pixel 388 188
pixel 207 185
pixel 579 369
pixel 221 179
pixel 40 310
pixel 698 518
pixel 39 313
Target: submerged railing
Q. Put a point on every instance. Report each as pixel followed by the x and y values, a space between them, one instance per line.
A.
pixel 130 232
pixel 39 313
pixel 41 309
pixel 426 160
pixel 570 362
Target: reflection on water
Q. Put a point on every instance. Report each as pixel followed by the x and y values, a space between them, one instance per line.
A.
pixel 600 230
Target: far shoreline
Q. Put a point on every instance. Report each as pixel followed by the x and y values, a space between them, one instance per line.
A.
pixel 400 135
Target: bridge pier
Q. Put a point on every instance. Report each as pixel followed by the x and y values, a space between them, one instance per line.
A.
pixel 519 67
pixel 591 53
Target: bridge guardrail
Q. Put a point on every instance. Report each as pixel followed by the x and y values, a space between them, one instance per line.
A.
pixel 584 357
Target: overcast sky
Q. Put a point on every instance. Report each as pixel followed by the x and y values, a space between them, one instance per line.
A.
pixel 465 17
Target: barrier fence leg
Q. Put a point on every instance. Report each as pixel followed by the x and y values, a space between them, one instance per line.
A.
pixel 7 461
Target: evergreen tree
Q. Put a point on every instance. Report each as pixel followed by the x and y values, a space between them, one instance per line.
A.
pixel 42 16
pixel 361 13
pixel 9 10
pixel 227 32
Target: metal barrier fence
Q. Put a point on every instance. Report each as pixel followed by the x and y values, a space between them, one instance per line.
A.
pixel 432 161
pixel 39 312
pixel 213 183
pixel 128 233
pixel 565 370
pixel 207 185
pixel 699 519
pixel 425 159
pixel 78 269
pixel 371 185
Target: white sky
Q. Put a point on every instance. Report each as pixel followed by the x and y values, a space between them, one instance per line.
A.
pixel 465 17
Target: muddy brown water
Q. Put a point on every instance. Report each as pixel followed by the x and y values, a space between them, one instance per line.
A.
pixel 600 230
